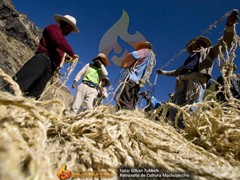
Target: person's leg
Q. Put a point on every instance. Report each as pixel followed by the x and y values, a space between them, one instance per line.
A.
pixel 37 88
pixel 134 92
pixel 78 98
pixel 90 96
pixel 28 76
pixel 123 99
pixel 129 96
pixel 179 98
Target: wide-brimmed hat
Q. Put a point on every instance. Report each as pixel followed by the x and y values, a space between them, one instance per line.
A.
pixel 68 19
pixel 203 39
pixel 107 80
pixel 144 44
pixel 103 59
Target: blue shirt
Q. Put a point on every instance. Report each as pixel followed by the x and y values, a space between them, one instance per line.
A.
pixel 153 104
pixel 137 72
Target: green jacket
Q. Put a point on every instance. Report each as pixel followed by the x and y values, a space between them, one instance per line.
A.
pixel 91 73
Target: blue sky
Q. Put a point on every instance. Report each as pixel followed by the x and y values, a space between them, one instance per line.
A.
pixel 167 24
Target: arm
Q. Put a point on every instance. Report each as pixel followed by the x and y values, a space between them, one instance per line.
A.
pixel 228 35
pixel 81 72
pixel 170 73
pixel 80 75
pixel 103 70
pixel 134 56
pixel 58 40
pixel 128 61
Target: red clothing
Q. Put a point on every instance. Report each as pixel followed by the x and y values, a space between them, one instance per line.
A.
pixel 54 44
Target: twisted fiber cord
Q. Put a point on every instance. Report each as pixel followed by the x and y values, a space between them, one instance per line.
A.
pixel 107 141
pixel 120 87
pixel 29 104
pixel 218 128
pixel 34 107
pixel 23 131
pixel 148 72
pixel 26 128
pixel 214 126
pixel 101 140
pixel 51 87
pixel 235 44
pixel 68 73
pixel 226 63
pixel 12 83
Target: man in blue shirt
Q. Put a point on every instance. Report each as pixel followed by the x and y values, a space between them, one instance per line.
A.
pixel 139 64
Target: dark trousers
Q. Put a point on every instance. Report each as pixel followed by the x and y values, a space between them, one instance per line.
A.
pixel 34 75
pixel 129 96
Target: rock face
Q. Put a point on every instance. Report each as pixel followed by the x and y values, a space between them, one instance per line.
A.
pixel 19 39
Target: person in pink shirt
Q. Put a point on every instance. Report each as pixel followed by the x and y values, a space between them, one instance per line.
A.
pixel 34 75
pixel 140 64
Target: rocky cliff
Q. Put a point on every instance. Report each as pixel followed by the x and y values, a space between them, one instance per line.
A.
pixel 19 39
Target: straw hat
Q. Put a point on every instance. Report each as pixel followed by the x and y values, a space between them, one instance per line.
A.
pixel 68 19
pixel 103 59
pixel 203 39
pixel 144 44
pixel 107 81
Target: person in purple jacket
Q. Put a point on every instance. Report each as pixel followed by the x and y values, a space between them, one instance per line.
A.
pixel 34 75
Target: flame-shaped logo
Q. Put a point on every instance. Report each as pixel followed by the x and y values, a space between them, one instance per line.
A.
pixel 63 173
pixel 118 31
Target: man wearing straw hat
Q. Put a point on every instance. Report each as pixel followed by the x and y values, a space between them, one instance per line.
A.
pixel 140 64
pixel 194 74
pixel 91 75
pixel 34 75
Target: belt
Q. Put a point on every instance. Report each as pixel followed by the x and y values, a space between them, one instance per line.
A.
pixel 190 70
pixel 186 71
pixel 43 54
pixel 90 84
